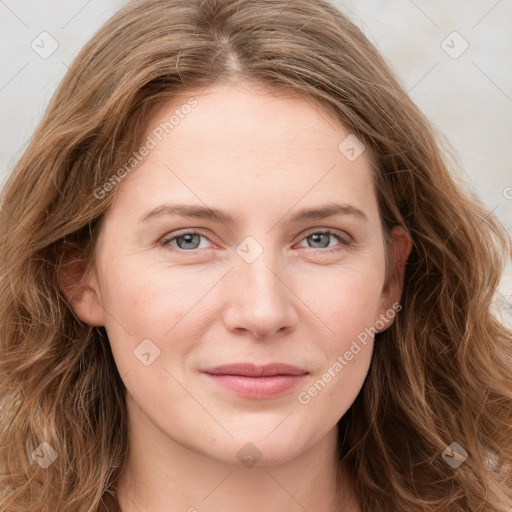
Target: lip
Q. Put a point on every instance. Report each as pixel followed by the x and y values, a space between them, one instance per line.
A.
pixel 253 381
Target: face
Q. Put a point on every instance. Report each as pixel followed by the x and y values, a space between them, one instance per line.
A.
pixel 246 236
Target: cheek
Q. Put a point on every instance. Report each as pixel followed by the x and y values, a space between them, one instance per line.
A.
pixel 330 393
pixel 171 307
pixel 349 311
pixel 151 298
pixel 165 305
pixel 347 300
pixel 142 305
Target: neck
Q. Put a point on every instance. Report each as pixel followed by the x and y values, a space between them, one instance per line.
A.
pixel 161 475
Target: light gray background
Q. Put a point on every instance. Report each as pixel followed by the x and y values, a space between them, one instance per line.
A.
pixel 468 98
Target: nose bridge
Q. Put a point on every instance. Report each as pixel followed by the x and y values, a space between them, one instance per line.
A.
pixel 260 300
pixel 258 270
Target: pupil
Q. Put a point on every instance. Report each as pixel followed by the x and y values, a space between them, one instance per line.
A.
pixel 187 239
pixel 316 237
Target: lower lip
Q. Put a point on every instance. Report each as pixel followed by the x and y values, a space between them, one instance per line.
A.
pixel 257 387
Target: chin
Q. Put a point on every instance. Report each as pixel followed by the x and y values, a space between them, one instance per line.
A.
pixel 251 451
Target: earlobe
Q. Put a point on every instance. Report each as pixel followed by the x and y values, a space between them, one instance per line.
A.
pixel 81 292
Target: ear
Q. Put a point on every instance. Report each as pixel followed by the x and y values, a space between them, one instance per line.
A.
pixel 401 246
pixel 81 289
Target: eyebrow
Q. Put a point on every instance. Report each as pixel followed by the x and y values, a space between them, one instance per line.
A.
pixel 216 215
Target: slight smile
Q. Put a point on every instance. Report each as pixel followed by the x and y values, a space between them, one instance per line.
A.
pixel 248 380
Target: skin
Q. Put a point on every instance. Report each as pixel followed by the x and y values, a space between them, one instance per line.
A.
pixel 295 303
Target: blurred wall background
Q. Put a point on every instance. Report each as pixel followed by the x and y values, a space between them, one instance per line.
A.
pixel 452 57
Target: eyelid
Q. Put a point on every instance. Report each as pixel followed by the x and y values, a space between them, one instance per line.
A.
pixel 336 232
pixel 342 236
pixel 165 241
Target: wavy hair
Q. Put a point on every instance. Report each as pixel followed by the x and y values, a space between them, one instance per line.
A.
pixel 440 374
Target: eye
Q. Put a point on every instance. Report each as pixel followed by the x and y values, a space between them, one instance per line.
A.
pixel 190 241
pixel 321 240
pixel 187 241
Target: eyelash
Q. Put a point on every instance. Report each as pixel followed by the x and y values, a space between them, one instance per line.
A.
pixel 345 242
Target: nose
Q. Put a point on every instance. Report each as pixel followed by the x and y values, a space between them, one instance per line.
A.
pixel 259 300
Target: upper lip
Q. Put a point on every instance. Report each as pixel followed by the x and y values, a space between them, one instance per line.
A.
pixel 251 370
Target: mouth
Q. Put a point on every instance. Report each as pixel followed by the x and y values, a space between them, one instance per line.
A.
pixel 248 380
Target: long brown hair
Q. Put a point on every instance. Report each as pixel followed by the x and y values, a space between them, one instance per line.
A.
pixel 440 374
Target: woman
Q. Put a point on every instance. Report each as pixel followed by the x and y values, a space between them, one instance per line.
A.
pixel 172 336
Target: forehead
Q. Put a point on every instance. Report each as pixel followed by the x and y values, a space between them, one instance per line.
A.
pixel 248 113
pixel 249 145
